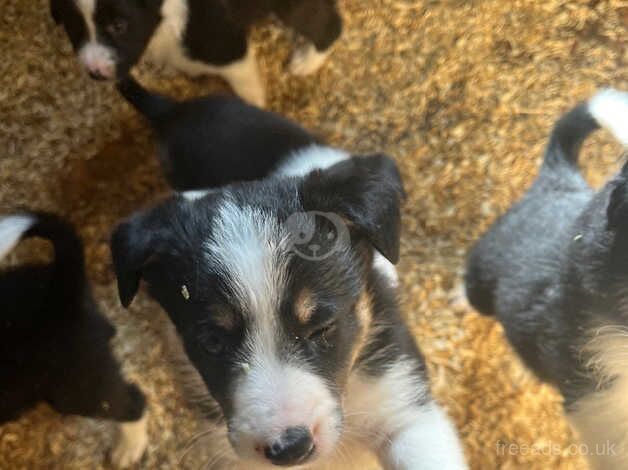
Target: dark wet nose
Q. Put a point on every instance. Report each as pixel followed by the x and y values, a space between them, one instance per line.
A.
pixel 96 75
pixel 293 447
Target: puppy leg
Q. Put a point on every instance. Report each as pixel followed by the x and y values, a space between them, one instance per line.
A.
pixel 399 420
pixel 95 388
pixel 244 77
pixel 132 443
pixel 428 442
pixel 320 23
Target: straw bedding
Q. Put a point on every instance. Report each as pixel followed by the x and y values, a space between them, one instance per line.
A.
pixel 461 93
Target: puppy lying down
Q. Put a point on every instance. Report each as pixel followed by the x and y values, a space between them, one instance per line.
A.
pixel 276 267
pixel 54 342
pixel 554 271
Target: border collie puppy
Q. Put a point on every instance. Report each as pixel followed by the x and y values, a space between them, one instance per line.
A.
pixel 282 290
pixel 54 342
pixel 195 36
pixel 554 271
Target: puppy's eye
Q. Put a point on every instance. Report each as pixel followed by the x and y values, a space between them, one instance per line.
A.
pixel 212 342
pixel 117 27
pixel 321 333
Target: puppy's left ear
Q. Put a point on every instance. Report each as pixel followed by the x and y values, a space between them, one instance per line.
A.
pixel 366 192
pixel 132 245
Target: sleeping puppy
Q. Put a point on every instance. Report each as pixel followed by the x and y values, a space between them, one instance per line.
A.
pixel 54 342
pixel 554 269
pixel 282 291
pixel 195 36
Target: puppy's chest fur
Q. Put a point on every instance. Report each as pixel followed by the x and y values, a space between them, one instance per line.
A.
pixel 601 416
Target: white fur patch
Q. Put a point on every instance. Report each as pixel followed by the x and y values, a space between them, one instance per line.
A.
pixel 132 443
pixel 95 57
pixel 195 195
pixel 245 79
pixel 385 411
pixel 11 230
pixel 166 47
pixel 87 9
pixel 307 60
pixel 601 418
pixel 609 107
pixel 308 159
pixel 274 395
pixel 98 59
pixel 386 269
pixel 252 252
pixel 430 443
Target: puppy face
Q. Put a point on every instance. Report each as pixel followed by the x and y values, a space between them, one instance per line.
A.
pixel 272 333
pixel 109 36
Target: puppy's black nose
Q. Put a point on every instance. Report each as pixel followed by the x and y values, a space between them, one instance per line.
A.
pixel 96 75
pixel 293 447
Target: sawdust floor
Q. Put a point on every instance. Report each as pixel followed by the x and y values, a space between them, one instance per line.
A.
pixel 461 93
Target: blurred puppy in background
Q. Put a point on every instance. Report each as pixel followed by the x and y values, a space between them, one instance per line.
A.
pixel 197 37
pixel 276 268
pixel 54 342
pixel 554 271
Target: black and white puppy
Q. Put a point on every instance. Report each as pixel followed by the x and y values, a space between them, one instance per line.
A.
pixel 554 271
pixel 54 342
pixel 282 290
pixel 195 36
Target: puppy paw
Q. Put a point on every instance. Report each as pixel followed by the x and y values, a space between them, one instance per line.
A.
pixel 131 444
pixel 458 298
pixel 250 89
pixel 255 95
pixel 306 60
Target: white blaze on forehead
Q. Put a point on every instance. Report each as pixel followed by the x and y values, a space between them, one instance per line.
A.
pixel 251 250
pixel 87 9
pixel 308 159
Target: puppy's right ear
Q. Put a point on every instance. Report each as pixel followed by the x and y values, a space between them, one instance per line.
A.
pixel 131 247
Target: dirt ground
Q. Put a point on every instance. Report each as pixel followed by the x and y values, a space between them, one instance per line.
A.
pixel 461 93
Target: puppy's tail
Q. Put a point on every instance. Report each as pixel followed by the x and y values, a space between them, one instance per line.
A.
pixel 151 105
pixel 69 263
pixel 608 109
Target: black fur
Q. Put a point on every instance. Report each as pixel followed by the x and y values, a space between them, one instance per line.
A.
pixel 554 266
pixel 215 140
pixel 54 342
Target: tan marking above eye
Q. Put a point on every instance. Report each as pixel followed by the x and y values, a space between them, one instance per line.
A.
pixel 364 314
pixel 223 318
pixel 304 306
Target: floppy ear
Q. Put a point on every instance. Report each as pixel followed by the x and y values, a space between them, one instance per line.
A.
pixel 365 191
pixel 132 244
